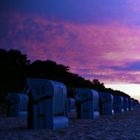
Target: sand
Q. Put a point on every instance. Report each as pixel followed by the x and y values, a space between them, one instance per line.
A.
pixel 124 126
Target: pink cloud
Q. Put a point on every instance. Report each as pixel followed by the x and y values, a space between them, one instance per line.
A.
pixel 85 48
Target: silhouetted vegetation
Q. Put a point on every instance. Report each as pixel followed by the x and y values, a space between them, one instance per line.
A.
pixel 15 68
pixel 13 71
pixel 51 70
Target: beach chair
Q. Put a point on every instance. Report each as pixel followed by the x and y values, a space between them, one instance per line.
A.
pixel 118 104
pixel 130 104
pixel 106 103
pixel 87 103
pixel 47 104
pixel 71 105
pixel 125 104
pixel 17 104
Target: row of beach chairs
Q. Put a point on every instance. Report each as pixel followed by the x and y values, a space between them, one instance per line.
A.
pixel 47 106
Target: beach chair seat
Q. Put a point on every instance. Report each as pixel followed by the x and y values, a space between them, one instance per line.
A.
pixel 87 103
pixel 17 104
pixel 47 104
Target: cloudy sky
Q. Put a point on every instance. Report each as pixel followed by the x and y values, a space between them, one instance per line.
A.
pixel 97 39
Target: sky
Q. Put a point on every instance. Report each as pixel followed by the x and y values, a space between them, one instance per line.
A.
pixel 97 39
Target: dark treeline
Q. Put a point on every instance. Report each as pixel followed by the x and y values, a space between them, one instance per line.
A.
pixel 15 68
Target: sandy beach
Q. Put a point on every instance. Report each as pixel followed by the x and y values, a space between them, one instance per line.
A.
pixel 124 126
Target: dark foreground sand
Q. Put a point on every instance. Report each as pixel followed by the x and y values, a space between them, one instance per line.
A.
pixel 125 126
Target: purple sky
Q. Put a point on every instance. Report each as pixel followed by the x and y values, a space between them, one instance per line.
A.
pixel 97 39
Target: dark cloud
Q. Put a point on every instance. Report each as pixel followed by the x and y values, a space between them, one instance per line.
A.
pixel 4 28
pixel 79 11
pixel 98 76
pixel 29 23
pixel 3 32
pixel 54 29
pixel 133 66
